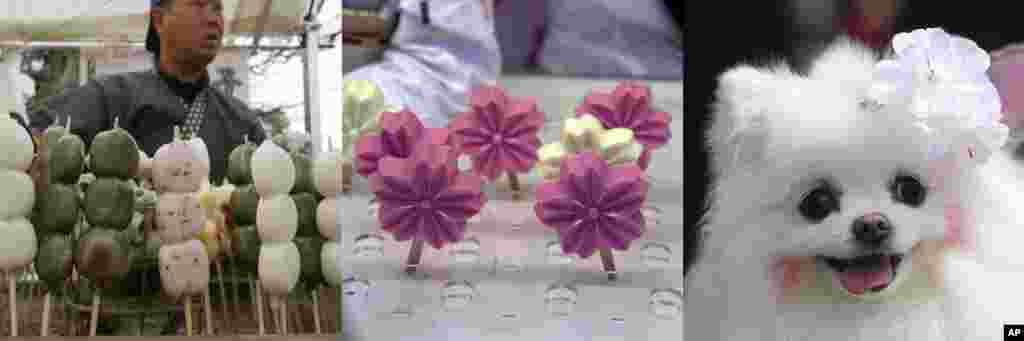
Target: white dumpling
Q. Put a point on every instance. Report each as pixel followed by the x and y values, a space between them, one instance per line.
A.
pixel 277 218
pixel 327 218
pixel 199 146
pixel 273 172
pixel 17 194
pixel 16 147
pixel 184 268
pixel 327 174
pixel 329 263
pixel 279 267
pixel 17 244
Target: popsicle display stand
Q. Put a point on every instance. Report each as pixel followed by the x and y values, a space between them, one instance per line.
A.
pixel 537 211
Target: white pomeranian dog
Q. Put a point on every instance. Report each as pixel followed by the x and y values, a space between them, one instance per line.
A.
pixel 866 199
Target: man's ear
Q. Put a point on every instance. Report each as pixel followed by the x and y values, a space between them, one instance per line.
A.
pixel 739 128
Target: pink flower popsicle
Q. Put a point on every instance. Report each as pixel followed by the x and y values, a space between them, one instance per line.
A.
pixel 594 207
pixel 424 197
pixel 399 135
pixel 629 106
pixel 499 133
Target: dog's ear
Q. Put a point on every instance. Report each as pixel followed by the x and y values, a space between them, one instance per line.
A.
pixel 739 127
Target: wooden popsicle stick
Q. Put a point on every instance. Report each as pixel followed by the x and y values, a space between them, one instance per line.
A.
pixel 609 263
pixel 259 309
pixel 12 295
pixel 316 310
pixel 513 185
pixel 46 315
pixel 95 318
pixel 208 312
pixel 188 316
pixel 415 252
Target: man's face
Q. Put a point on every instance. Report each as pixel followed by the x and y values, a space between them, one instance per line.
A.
pixel 191 29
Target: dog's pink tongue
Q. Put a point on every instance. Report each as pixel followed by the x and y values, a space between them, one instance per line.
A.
pixel 858 282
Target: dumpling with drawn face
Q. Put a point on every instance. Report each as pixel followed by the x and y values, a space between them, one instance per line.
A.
pixel 178 168
pixel 179 217
pixel 184 268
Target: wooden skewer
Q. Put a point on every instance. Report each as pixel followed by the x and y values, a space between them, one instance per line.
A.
pixel 95 318
pixel 30 269
pixel 259 309
pixel 188 316
pixel 316 310
pixel 235 297
pixel 295 314
pixel 11 291
pixel 208 312
pixel 46 315
pixel 223 293
pixel 252 294
pixel 275 318
pixel 71 325
pixel 284 315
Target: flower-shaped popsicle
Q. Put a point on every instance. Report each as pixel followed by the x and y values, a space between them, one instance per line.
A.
pixel 499 133
pixel 424 197
pixel 400 132
pixel 616 146
pixel 594 207
pixel 629 106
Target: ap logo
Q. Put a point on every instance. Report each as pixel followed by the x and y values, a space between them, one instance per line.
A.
pixel 1013 332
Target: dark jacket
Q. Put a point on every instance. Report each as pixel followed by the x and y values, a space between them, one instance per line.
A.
pixel 147 108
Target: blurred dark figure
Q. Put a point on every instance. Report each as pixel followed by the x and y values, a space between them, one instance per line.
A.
pixel 722 34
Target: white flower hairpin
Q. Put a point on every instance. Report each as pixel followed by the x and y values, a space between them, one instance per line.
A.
pixel 942 80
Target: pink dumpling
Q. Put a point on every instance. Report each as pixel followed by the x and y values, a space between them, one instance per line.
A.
pixel 179 217
pixel 177 168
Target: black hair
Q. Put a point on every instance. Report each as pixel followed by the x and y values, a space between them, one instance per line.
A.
pixel 152 37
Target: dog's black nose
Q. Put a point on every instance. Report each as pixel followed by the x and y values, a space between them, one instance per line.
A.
pixel 872 230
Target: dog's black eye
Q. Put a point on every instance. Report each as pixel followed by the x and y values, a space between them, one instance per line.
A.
pixel 819 203
pixel 908 190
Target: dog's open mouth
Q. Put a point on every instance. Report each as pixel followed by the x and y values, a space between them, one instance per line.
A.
pixel 865 274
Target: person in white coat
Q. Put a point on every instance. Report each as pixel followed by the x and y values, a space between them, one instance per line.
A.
pixel 437 54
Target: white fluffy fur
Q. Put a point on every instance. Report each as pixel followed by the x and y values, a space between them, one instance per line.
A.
pixel 776 132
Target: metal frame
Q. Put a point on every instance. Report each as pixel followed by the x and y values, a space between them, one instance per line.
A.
pixel 310 68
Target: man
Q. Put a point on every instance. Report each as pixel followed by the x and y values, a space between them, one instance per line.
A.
pixel 184 37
